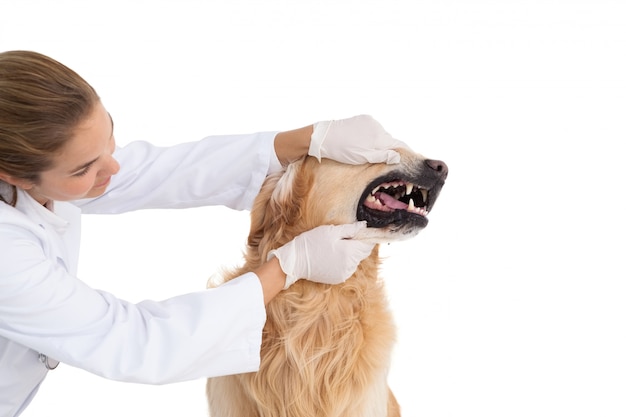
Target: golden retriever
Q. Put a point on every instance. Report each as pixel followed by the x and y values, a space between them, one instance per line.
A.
pixel 326 349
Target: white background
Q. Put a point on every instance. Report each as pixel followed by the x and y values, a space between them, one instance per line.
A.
pixel 512 301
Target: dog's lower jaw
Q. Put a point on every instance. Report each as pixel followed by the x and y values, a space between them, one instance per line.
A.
pixel 387 234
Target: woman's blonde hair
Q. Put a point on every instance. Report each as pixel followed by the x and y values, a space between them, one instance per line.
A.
pixel 41 103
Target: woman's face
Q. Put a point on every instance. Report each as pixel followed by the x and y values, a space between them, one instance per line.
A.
pixel 85 165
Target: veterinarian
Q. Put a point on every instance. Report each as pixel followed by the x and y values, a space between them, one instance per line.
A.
pixel 58 159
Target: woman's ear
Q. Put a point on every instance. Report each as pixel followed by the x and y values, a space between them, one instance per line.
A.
pixel 18 182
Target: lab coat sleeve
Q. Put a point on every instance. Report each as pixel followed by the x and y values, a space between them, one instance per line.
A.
pixel 217 170
pixel 203 334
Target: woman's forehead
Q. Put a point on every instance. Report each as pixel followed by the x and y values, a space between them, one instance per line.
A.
pixel 87 142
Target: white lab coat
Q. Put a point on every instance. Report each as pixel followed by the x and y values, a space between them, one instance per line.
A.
pixel 45 308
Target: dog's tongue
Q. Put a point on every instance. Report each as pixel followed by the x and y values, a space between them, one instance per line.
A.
pixel 391 202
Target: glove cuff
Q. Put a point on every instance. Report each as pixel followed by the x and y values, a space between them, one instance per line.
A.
pixel 320 129
pixel 290 279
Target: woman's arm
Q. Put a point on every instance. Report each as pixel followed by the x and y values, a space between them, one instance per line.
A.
pixel 272 279
pixel 291 145
pixel 205 333
pixel 218 170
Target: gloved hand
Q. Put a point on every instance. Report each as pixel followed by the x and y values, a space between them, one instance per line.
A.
pixel 357 140
pixel 326 254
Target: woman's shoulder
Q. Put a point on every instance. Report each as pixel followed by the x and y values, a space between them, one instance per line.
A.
pixel 16 223
pixel 13 220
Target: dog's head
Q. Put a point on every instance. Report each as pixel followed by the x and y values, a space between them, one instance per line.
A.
pixel 394 200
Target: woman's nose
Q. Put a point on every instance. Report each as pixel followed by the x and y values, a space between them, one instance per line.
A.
pixel 112 165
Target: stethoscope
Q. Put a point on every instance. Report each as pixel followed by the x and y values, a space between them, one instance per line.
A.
pixel 49 363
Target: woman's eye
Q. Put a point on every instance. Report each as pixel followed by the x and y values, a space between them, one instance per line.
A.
pixel 82 172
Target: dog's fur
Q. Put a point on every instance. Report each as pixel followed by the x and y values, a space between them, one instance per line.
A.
pixel 326 349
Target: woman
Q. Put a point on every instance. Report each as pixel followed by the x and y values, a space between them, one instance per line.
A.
pixel 58 159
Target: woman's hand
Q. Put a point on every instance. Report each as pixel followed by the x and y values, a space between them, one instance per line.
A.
pixel 357 140
pixel 327 254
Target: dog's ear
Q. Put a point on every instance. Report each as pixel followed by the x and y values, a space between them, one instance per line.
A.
pixel 277 211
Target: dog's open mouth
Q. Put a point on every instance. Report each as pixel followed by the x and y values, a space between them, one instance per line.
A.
pixel 389 201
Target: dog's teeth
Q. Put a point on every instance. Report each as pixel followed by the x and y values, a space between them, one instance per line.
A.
pixel 373 200
pixel 411 205
pixel 424 194
pixel 375 190
pixel 409 188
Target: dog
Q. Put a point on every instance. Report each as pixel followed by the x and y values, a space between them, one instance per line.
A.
pixel 326 349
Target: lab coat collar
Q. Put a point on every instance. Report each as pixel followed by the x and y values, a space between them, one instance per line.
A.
pixel 39 213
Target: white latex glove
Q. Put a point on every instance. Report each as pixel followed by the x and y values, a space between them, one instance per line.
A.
pixel 357 140
pixel 326 254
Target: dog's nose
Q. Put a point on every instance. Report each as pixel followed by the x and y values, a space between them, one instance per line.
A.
pixel 438 166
